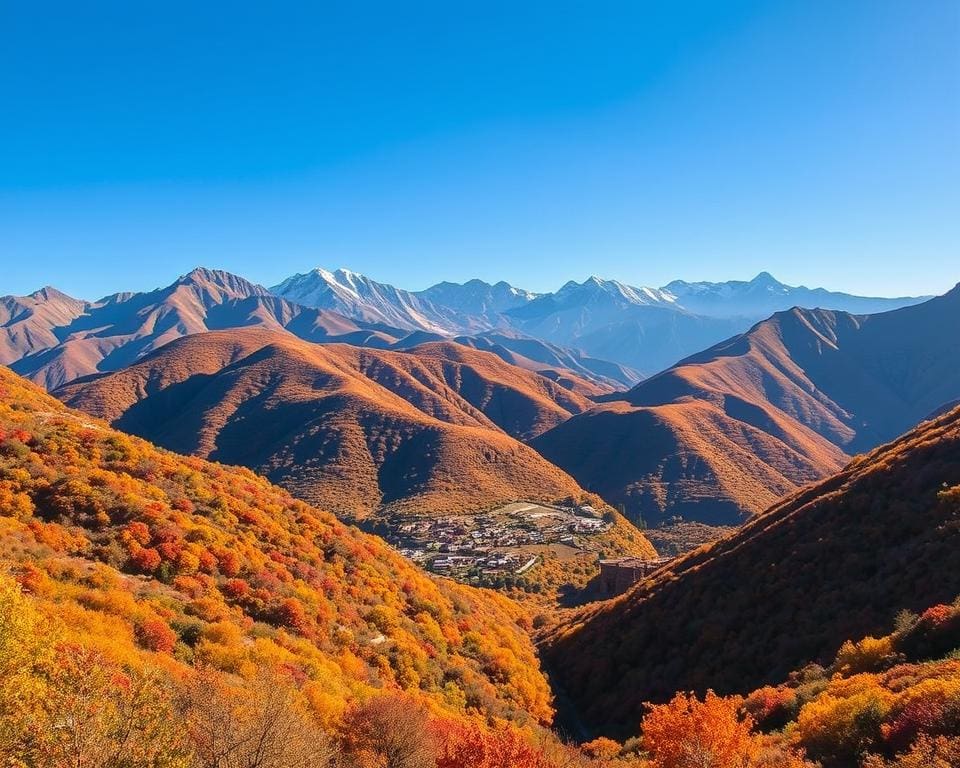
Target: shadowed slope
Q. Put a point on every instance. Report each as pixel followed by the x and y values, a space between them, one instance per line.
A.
pixel 833 561
pixel 351 428
pixel 736 426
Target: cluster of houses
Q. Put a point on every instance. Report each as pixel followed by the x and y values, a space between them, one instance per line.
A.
pixel 504 541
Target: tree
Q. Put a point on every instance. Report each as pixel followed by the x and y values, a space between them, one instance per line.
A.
pixel 261 725
pixel 689 733
pixel 99 715
pixel 26 648
pixel 389 731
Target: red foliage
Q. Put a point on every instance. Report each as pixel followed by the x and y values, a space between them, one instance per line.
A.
pixel 154 634
pixel 291 613
pixel 462 743
pixel 146 560
pixel 937 615
pixel 236 588
pixel 139 532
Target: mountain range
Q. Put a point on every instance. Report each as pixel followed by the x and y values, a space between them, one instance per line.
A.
pixel 715 438
pixel 726 432
pixel 604 331
pixel 644 328
pixel 53 338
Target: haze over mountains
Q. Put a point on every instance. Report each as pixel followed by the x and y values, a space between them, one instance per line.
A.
pixel 602 330
pixel 831 562
pixel 726 432
pixel 53 338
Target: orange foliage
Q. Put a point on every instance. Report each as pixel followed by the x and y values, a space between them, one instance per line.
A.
pixel 689 733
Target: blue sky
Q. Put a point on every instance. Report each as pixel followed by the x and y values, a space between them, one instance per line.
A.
pixel 529 141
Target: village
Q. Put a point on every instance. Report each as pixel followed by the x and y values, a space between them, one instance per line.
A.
pixel 506 541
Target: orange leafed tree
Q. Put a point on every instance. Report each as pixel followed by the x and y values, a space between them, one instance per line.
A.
pixel 689 733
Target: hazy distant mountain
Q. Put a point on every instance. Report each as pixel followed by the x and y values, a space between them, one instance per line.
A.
pixel 644 328
pixel 477 298
pixel 546 358
pixel 605 331
pixel 764 295
pixel 727 431
pixel 350 428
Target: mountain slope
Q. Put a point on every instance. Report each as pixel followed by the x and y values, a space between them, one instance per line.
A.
pixel 141 551
pixel 27 323
pixel 833 561
pixel 738 425
pixel 556 362
pixel 348 428
pixel 476 298
pixel 689 459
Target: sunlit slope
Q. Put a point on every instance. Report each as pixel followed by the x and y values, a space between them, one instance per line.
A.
pixel 350 429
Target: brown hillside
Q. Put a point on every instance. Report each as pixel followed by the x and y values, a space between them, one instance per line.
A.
pixel 351 429
pixel 689 459
pixel 832 561
pixel 752 418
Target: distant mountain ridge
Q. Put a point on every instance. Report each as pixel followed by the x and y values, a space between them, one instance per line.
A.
pixel 53 338
pixel 361 298
pixel 765 295
pixel 608 333
pixel 644 328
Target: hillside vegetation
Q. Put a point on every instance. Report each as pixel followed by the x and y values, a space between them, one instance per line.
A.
pixel 139 550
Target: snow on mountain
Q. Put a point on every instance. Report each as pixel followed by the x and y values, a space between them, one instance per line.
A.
pixel 361 298
pixel 641 327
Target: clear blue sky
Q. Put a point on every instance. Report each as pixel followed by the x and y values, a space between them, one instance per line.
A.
pixel 528 141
